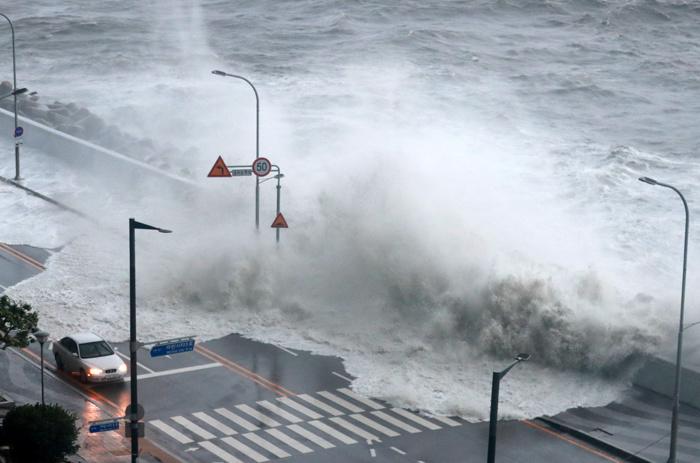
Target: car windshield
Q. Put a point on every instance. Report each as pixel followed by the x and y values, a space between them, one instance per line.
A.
pixel 95 349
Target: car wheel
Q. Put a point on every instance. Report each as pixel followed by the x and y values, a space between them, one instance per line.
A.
pixel 83 376
pixel 59 362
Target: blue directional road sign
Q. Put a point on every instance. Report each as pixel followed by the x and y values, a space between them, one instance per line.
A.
pixel 104 426
pixel 177 347
pixel 18 132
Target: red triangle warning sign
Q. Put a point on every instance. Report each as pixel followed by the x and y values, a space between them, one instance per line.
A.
pixel 279 221
pixel 219 169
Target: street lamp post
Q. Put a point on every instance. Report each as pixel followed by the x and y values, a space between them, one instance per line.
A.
pixel 41 337
pixel 493 420
pixel 257 139
pixel 15 92
pixel 679 349
pixel 14 87
pixel 133 343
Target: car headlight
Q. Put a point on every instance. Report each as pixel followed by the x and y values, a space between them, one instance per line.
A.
pixel 95 371
pixel 122 368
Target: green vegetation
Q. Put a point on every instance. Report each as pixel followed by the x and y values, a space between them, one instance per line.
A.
pixel 16 322
pixel 40 433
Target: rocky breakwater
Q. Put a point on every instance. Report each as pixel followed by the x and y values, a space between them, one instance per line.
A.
pixel 79 122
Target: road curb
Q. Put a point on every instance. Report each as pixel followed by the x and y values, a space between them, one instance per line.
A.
pixel 595 441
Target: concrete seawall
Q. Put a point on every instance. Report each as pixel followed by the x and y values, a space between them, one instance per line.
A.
pixel 658 375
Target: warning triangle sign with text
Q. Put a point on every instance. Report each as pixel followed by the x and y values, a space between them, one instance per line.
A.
pixel 219 169
pixel 279 221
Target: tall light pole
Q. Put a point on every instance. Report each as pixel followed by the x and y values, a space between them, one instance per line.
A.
pixel 257 138
pixel 14 87
pixel 493 420
pixel 133 343
pixel 41 337
pixel 679 349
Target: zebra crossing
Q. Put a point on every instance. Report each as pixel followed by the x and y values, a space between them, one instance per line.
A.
pixel 287 426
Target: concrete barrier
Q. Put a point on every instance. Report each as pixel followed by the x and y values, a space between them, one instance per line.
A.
pixel 659 375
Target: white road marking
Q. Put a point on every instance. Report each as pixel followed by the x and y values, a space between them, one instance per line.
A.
pixel 191 449
pixel 374 425
pixel 175 371
pixel 320 405
pixel 321 442
pixel 287 351
pixel 332 432
pixel 172 432
pixel 446 420
pixel 398 450
pixel 300 408
pixel 214 423
pixel 341 376
pixel 372 453
pixel 342 402
pixel 264 419
pixel 244 449
pixel 368 402
pixel 395 422
pixel 295 444
pixel 354 429
pixel 219 452
pixel 270 447
pixel 203 433
pixel 126 357
pixel 236 419
pixel 283 413
pixel 415 418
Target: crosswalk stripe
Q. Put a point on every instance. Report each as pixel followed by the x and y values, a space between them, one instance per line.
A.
pixel 321 442
pixel 244 449
pixel 354 429
pixel 446 420
pixel 281 412
pixel 295 444
pixel 214 423
pixel 364 400
pixel 320 405
pixel 300 408
pixel 219 452
pixel 395 422
pixel 342 402
pixel 203 433
pixel 264 419
pixel 236 419
pixel 374 425
pixel 332 432
pixel 415 418
pixel 172 432
pixel 272 448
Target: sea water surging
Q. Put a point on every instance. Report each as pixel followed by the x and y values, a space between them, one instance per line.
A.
pixel 460 181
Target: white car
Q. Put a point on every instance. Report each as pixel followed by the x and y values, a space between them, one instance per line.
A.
pixel 89 356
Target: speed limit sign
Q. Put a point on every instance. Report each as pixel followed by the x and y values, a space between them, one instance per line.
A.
pixel 262 167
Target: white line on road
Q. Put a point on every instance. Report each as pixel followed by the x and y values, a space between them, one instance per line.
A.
pixel 341 376
pixel 270 447
pixel 374 425
pixel 214 423
pixel 203 433
pixel 264 419
pixel 320 405
pixel 415 418
pixel 395 422
pixel 244 449
pixel 354 429
pixel 287 351
pixel 172 432
pixel 445 420
pixel 398 450
pixel 175 371
pixel 236 419
pixel 126 357
pixel 332 432
pixel 295 444
pixel 219 452
pixel 283 413
pixel 300 408
pixel 342 402
pixel 372 453
pixel 321 442
pixel 364 400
